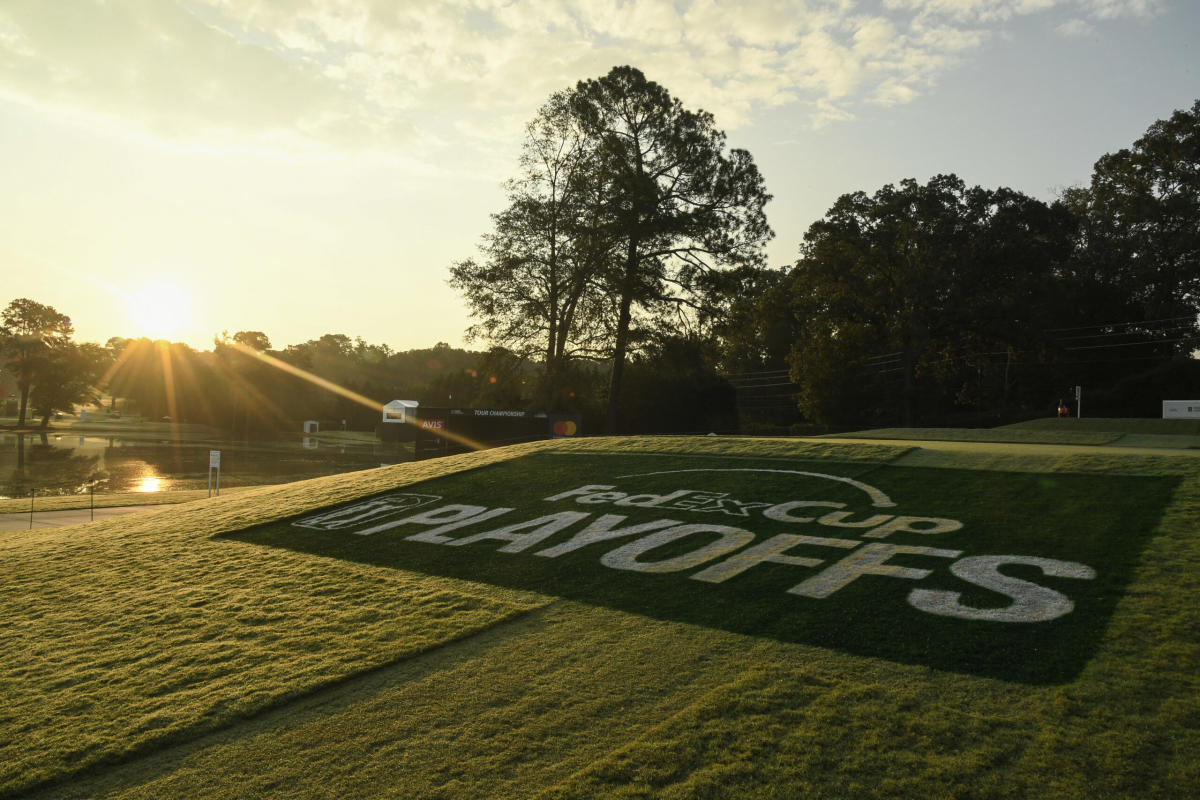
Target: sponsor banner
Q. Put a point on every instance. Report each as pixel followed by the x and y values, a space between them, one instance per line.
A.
pixel 1181 409
pixel 1004 574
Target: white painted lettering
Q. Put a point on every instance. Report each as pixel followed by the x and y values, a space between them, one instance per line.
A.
pixel 538 530
pixel 914 525
pixel 464 516
pixel 601 497
pixel 582 490
pixel 736 508
pixel 772 550
pixel 1031 602
pixel 649 500
pixel 779 512
pixel 837 519
pixel 868 560
pixel 366 511
pixel 699 500
pixel 601 531
pixel 434 516
pixel 626 557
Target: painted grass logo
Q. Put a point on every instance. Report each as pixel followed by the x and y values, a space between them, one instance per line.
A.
pixel 1006 574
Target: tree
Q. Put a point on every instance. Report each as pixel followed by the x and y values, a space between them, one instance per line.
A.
pixel 68 376
pixel 674 200
pixel 753 318
pixel 255 340
pixel 501 380
pixel 1139 237
pixel 535 292
pixel 167 379
pixel 30 335
pixel 672 388
pixel 921 290
pixel 624 201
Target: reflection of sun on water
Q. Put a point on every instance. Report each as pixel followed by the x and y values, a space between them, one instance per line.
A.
pixel 149 484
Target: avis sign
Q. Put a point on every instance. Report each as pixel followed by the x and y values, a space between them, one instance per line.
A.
pixel 964 570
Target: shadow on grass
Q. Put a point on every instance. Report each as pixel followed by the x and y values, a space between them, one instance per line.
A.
pixel 1102 522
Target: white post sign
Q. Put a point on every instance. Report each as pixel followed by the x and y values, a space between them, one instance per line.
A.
pixel 214 462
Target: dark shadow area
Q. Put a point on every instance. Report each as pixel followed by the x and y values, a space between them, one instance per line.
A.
pixel 1100 521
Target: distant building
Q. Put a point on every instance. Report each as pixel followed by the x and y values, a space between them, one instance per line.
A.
pixel 399 410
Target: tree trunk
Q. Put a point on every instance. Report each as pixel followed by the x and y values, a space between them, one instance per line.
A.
pixel 24 405
pixel 551 390
pixel 622 338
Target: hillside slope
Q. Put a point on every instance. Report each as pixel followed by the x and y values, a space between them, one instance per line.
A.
pixel 258 645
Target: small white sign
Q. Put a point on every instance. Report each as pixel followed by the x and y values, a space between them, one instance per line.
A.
pixel 1181 409
pixel 214 458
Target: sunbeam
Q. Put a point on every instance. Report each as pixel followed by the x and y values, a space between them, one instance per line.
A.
pixel 362 400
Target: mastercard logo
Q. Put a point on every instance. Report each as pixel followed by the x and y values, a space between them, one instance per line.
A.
pixel 565 427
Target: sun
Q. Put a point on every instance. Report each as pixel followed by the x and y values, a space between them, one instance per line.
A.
pixel 161 310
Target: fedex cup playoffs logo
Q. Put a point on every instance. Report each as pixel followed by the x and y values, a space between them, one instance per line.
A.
pixel 695 530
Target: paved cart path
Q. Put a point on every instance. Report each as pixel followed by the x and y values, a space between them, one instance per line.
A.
pixel 58 519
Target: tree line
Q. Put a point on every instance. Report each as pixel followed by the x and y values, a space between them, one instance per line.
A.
pixel 624 280
pixel 242 385
pixel 632 235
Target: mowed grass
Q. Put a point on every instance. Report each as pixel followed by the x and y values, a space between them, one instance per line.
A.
pixel 121 636
pixel 1132 433
pixel 1155 427
pixel 1058 435
pixel 363 681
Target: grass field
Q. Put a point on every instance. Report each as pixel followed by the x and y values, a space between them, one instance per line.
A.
pixel 66 502
pixel 220 649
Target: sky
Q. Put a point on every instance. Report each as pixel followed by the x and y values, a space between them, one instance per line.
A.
pixel 180 168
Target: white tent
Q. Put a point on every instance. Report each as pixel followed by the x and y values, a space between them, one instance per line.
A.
pixel 398 410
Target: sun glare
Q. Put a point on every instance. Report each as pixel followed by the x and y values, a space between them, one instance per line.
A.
pixel 160 310
pixel 149 485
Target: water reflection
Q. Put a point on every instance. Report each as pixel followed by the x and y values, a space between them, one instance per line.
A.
pixel 67 464
pixel 46 466
pixel 149 485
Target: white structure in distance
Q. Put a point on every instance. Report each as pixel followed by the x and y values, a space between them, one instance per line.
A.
pixel 398 410
pixel 1181 409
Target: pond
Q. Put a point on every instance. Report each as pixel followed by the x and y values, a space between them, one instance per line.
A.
pixel 61 463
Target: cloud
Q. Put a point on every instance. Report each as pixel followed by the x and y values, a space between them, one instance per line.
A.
pixel 1116 9
pixel 406 78
pixel 991 11
pixel 1075 28
pixel 156 69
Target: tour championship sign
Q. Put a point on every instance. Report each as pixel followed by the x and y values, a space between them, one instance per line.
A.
pixel 1011 575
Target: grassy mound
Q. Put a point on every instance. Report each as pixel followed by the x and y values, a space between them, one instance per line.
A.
pixel 220 650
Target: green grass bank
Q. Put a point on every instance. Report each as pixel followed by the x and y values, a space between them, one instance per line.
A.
pixel 261 645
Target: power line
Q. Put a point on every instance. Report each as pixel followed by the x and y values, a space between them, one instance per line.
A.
pixel 1139 332
pixel 1127 322
pixel 775 394
pixel 1127 344
pixel 755 381
pixel 753 389
pixel 761 372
